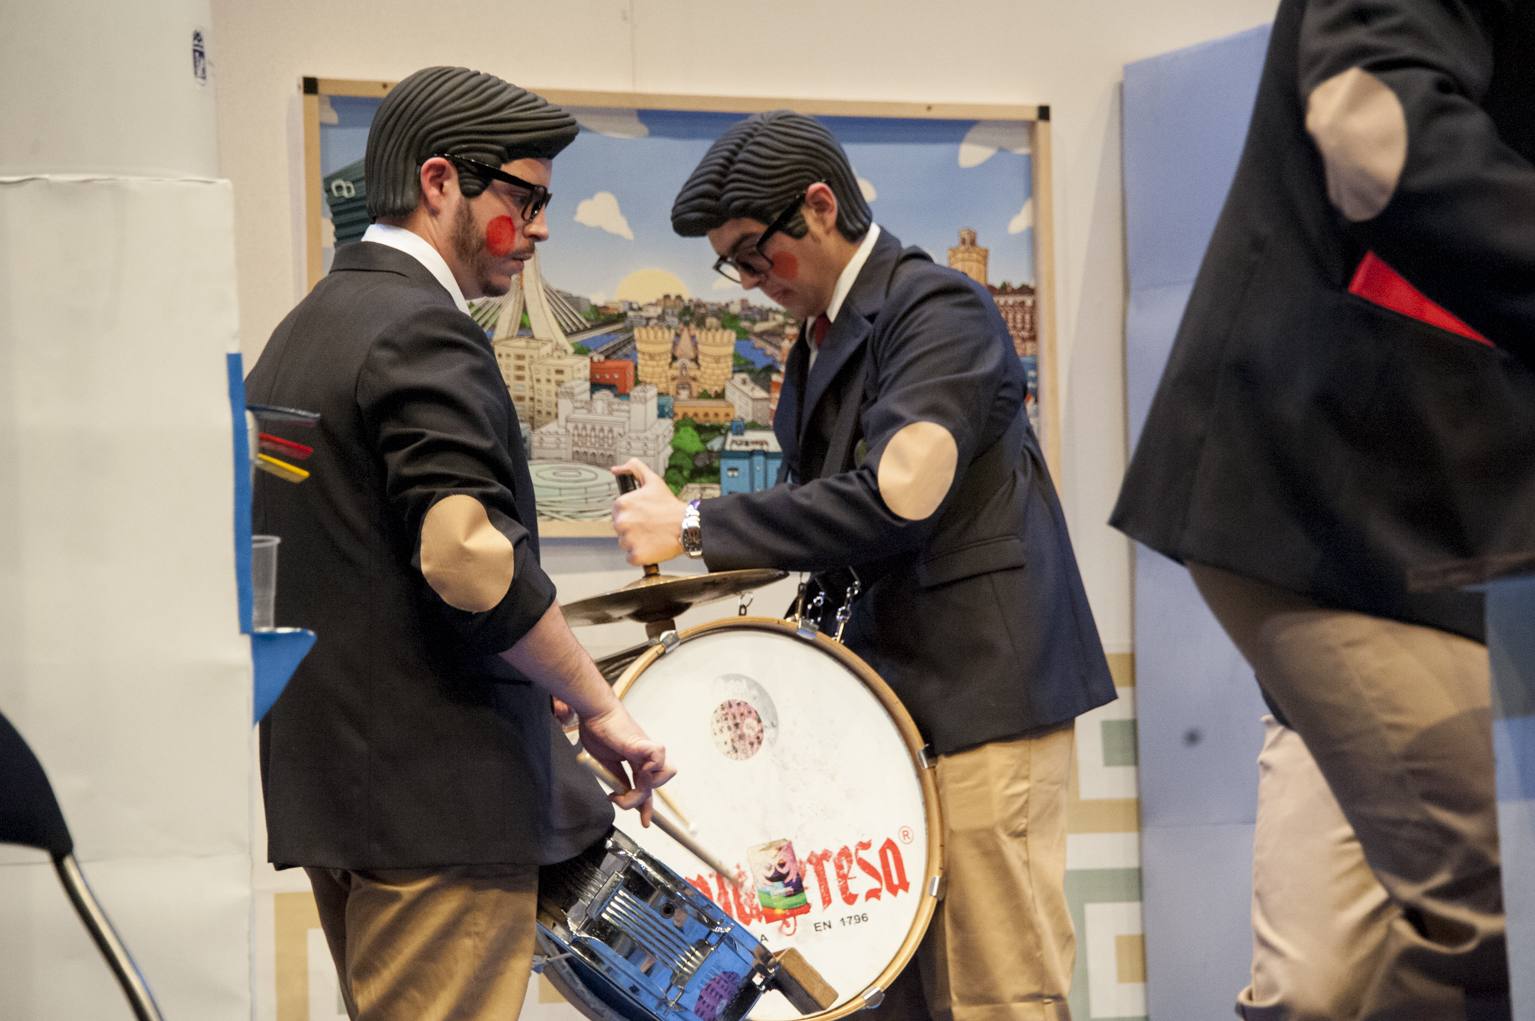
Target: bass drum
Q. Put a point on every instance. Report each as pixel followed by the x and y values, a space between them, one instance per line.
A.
pixel 796 765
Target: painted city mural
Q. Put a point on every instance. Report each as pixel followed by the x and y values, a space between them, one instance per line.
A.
pixel 620 341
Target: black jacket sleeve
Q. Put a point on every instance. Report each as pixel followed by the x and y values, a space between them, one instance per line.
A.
pixel 441 420
pixel 934 362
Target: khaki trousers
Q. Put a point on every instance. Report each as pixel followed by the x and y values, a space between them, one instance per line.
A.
pixel 449 944
pixel 1001 945
pixel 1376 889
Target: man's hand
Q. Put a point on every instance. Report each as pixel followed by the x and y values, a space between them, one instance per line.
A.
pixel 648 521
pixel 615 740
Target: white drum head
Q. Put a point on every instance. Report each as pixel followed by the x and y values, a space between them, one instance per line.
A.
pixel 794 770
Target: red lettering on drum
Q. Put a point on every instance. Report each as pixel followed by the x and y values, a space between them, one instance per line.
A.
pixel 817 861
pixel 853 871
pixel 872 893
pixel 843 863
pixel 894 867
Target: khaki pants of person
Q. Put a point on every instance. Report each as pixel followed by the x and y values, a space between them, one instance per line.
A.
pixel 1001 945
pixel 448 944
pixel 1376 888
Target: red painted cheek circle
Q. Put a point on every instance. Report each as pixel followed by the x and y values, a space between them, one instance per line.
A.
pixel 501 235
pixel 785 266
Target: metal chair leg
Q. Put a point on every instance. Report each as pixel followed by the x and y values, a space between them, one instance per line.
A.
pixel 105 937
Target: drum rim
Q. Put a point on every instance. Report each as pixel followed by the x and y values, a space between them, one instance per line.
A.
pixel 932 875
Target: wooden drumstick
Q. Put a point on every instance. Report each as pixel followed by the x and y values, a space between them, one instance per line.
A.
pixel 670 828
pixel 671 806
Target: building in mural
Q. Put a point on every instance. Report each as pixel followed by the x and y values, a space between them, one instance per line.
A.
pixel 749 461
pixel 598 428
pixel 686 362
pixel 1016 303
pixel 750 401
pixel 616 374
pixel 970 258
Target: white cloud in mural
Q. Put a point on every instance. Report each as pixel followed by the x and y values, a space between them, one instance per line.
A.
pixel 601 211
pixel 613 123
pixel 1024 220
pixel 328 114
pixel 867 187
pixel 987 138
pixel 725 284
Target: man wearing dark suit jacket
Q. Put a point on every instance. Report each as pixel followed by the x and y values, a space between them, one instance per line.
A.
pixel 909 460
pixel 413 765
pixel 1350 398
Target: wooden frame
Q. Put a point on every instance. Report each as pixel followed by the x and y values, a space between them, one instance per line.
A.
pixel 318 93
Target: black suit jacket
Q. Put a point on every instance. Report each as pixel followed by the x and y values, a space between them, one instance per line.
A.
pixel 1307 437
pixel 402 740
pixel 975 615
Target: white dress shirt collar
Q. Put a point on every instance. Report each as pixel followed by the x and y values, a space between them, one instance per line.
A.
pixel 417 247
pixel 850 272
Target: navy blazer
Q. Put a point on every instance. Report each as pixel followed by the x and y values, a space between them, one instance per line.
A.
pixel 975 615
pixel 1306 437
pixel 402 740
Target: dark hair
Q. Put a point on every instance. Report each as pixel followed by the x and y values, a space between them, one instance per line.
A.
pixel 758 166
pixel 454 110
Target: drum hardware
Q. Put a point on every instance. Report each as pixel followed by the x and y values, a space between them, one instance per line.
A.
pixel 624 938
pixel 744 605
pixel 845 611
pixel 935 887
pixel 929 760
pixel 808 623
pixel 873 998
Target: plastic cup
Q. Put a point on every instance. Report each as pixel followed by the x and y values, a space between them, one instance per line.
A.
pixel 263 581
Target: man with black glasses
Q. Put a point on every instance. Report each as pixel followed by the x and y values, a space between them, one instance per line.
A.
pixel 910 467
pixel 413 766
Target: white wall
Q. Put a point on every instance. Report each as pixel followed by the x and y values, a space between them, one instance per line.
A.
pixel 1068 55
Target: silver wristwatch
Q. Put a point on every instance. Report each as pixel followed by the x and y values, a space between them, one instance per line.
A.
pixel 692 535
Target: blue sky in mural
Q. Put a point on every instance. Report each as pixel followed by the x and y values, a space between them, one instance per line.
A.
pixel 610 231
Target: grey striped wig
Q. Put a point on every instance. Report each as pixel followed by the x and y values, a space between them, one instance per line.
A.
pixel 454 110
pixel 757 167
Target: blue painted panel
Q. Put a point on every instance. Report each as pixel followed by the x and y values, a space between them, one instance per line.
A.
pixel 1198 708
pixel 1186 116
pixel 1196 962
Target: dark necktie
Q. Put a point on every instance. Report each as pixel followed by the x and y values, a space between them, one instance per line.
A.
pixel 818 329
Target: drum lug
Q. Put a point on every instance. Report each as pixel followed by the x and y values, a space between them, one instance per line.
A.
pixel 935 887
pixel 929 759
pixel 873 997
pixel 667 640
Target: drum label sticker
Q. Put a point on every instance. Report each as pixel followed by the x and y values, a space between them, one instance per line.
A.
pixel 744 720
pixel 780 884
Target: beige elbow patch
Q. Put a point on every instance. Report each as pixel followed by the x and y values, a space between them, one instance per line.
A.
pixel 1361 130
pixel 917 469
pixel 466 559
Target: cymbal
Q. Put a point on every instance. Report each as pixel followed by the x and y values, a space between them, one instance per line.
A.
pixel 661 597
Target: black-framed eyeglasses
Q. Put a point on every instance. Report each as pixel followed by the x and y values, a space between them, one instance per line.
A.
pixel 538 198
pixel 752 261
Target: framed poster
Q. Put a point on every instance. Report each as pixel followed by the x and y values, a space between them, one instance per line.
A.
pixel 619 340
